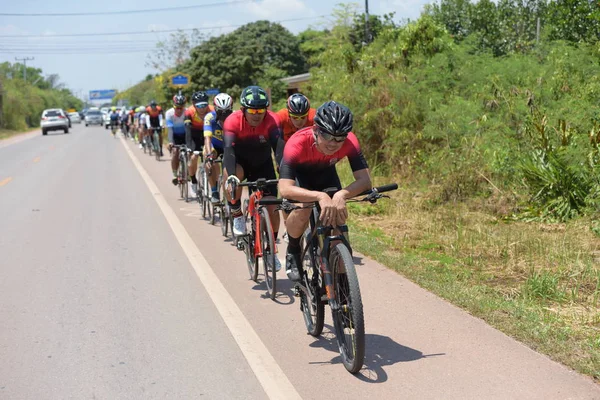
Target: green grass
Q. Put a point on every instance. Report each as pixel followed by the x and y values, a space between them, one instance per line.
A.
pixel 529 316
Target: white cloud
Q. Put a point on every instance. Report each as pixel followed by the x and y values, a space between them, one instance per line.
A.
pixel 12 30
pixel 277 9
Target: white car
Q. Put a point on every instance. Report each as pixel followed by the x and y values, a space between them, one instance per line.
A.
pixel 54 119
pixel 75 118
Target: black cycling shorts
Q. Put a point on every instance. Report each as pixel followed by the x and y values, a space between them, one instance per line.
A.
pixel 197 140
pixel 266 170
pixel 178 139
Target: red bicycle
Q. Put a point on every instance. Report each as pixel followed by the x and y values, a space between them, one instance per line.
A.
pixel 258 242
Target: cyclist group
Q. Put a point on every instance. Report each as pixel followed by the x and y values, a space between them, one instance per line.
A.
pixel 306 144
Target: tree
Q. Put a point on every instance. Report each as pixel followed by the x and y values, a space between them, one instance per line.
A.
pixel 241 58
pixel 574 20
pixel 174 51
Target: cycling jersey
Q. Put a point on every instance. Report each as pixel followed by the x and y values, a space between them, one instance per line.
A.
pixel 154 117
pixel 175 124
pixel 286 124
pixel 197 122
pixel 214 130
pixel 313 169
pixel 251 146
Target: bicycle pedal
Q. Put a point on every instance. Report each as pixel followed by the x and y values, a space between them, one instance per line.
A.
pixel 296 291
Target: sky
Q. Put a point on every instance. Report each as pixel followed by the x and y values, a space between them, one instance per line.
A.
pixel 101 62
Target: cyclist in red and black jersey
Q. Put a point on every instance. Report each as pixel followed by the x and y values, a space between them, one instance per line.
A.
pixel 309 159
pixel 154 120
pixel 251 136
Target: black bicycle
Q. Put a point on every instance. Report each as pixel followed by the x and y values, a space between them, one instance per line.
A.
pixel 328 276
pixel 182 171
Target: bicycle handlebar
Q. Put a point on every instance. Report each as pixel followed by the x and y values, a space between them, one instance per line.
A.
pixel 380 189
pixel 259 182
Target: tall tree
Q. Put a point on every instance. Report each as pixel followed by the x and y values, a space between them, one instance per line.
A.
pixel 241 58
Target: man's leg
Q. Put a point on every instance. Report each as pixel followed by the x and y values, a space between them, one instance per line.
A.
pixel 235 206
pixel 296 225
pixel 175 164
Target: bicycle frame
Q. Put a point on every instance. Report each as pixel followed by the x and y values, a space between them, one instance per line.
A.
pixel 254 214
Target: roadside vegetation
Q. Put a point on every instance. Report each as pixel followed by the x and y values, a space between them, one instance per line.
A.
pixel 23 101
pixel 491 129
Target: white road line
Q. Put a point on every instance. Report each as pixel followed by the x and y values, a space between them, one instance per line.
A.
pixel 267 371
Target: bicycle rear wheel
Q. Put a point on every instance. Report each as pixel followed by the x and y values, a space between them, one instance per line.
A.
pixel 311 304
pixel 348 320
pixel 268 253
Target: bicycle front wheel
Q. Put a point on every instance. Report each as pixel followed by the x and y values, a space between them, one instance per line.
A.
pixel 184 180
pixel 311 304
pixel 156 146
pixel 348 319
pixel 268 253
pixel 251 258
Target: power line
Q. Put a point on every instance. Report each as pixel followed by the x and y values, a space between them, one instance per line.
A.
pixel 149 32
pixel 79 14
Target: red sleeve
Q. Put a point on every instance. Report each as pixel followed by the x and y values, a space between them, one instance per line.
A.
pixel 291 156
pixel 355 156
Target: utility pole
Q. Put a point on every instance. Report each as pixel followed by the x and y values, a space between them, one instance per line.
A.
pixel 25 65
pixel 367 32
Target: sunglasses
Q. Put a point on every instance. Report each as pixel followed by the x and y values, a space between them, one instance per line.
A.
pixel 256 110
pixel 329 137
pixel 298 117
pixel 201 105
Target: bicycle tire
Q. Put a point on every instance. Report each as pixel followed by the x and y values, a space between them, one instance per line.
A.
pixel 157 146
pixel 268 254
pixel 224 214
pixel 251 258
pixel 180 176
pixel 312 305
pixel 348 321
pixel 184 173
pixel 213 217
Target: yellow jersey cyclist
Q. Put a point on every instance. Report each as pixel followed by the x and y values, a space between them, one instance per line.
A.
pixel 308 167
pixel 194 131
pixel 213 138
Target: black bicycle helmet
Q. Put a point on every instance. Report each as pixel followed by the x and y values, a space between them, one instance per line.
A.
pixel 178 100
pixel 200 97
pixel 254 97
pixel 298 104
pixel 153 103
pixel 333 118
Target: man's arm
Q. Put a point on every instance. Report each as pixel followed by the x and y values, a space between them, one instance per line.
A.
pixel 362 182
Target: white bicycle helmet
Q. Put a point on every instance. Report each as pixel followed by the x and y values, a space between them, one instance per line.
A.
pixel 223 101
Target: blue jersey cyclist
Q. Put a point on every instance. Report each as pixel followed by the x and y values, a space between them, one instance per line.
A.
pixel 213 138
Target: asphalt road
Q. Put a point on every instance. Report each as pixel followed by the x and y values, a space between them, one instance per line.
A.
pixel 111 287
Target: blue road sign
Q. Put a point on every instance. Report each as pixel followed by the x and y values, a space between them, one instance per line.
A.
pixel 102 94
pixel 212 92
pixel 180 80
